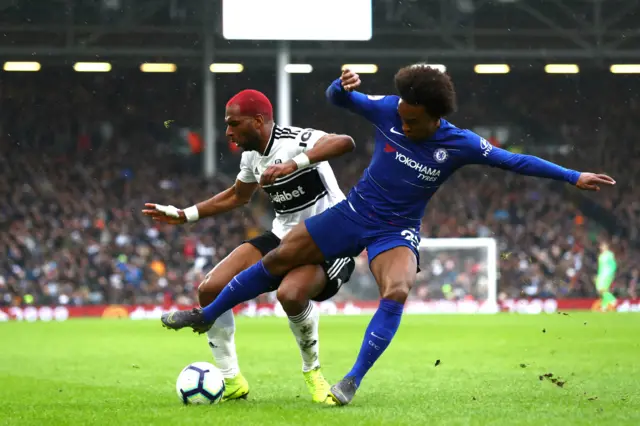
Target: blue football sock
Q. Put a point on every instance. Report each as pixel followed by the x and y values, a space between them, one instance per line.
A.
pixel 381 329
pixel 248 284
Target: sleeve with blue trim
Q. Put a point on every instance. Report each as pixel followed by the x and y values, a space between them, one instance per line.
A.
pixel 370 107
pixel 482 152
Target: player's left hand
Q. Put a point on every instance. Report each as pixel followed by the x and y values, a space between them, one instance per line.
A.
pixel 592 181
pixel 276 171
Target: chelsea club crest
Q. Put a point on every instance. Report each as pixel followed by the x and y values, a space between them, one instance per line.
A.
pixel 440 155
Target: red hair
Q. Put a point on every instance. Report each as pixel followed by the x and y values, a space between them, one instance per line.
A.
pixel 252 103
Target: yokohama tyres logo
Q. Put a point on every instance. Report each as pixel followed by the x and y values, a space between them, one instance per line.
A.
pixel 425 172
pixel 410 162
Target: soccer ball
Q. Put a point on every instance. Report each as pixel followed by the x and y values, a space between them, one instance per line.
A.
pixel 200 383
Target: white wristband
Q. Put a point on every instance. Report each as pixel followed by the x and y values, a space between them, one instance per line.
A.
pixel 302 160
pixel 191 213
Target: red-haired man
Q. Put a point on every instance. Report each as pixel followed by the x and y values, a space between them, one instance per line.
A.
pixel 290 164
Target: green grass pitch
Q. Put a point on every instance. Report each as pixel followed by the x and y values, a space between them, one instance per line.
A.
pixel 122 372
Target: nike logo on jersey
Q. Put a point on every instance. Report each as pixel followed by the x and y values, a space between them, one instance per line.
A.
pixel 395 132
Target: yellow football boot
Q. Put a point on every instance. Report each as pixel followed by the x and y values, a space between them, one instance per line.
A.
pixel 318 386
pixel 235 388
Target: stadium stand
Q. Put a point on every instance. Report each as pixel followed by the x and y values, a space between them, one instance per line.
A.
pixel 81 154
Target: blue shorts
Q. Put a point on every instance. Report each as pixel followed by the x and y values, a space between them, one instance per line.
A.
pixel 342 232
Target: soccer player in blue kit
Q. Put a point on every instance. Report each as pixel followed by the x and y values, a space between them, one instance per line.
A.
pixel 416 150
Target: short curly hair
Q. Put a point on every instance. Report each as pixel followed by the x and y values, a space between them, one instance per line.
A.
pixel 420 84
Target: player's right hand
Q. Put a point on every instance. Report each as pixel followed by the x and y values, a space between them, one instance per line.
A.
pixel 350 80
pixel 165 214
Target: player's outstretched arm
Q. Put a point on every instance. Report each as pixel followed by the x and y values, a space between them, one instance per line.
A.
pixel 231 198
pixel 324 149
pixel 529 165
pixel 342 93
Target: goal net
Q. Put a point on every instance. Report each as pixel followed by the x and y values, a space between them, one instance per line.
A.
pixel 457 275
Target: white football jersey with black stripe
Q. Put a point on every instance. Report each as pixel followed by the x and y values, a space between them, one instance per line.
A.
pixel 300 195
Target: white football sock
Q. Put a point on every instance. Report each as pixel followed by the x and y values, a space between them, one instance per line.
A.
pixel 223 345
pixel 305 330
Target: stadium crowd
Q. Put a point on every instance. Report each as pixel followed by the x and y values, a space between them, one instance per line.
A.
pixel 80 158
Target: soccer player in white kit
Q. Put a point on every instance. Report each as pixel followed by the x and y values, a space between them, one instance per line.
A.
pixel 290 164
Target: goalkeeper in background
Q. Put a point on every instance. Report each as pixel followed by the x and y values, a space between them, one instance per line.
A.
pixel 606 273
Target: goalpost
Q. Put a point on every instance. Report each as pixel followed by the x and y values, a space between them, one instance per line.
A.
pixel 462 268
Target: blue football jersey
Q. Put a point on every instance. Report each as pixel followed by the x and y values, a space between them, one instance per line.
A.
pixel 403 174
